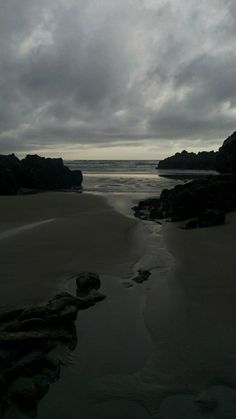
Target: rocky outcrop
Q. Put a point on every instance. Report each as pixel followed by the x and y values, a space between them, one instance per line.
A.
pixel 208 218
pixel 35 173
pixel 206 198
pixel 226 157
pixel 29 358
pixel 189 161
pixel 86 281
pixel 143 275
pixel 10 174
pixel 203 201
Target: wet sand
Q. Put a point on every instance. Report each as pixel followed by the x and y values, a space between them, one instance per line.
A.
pixel 147 351
pixel 190 316
pixel 47 238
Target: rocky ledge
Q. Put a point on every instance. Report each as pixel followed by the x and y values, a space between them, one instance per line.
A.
pixel 205 200
pixel 35 173
pixel 30 338
pixel 203 160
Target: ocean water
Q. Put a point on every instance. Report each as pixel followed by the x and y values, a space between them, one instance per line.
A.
pixel 123 182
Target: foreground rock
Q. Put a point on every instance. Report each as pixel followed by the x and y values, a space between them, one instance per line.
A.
pixel 143 275
pixel 35 173
pixel 29 339
pixel 86 281
pixel 189 161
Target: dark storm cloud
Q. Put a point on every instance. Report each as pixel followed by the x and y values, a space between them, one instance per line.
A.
pixel 107 72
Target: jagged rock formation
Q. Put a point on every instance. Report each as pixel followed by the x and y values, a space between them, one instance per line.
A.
pixel 189 161
pixel 226 157
pixel 30 337
pixel 206 200
pixel 192 200
pixel 37 173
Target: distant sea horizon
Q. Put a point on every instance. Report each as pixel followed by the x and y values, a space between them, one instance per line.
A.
pixel 138 178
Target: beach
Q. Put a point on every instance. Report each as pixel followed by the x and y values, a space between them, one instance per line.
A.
pixel 47 238
pixel 148 350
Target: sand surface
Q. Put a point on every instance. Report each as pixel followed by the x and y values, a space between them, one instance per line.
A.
pixel 180 327
pixel 49 237
pixel 190 316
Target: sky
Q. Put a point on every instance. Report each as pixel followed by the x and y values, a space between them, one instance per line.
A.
pixel 125 79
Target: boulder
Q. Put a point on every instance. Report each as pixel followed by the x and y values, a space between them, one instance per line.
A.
pixel 191 224
pixel 86 281
pixel 90 299
pixel 211 218
pixel 142 276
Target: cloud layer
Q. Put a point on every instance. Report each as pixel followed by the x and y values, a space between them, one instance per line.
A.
pixel 89 74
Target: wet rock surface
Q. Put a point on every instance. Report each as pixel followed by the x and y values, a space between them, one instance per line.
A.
pixel 30 338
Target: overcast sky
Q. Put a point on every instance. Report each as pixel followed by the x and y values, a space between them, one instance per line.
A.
pixel 116 78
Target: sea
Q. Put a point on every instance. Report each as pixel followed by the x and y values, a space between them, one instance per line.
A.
pixel 123 182
pixel 120 176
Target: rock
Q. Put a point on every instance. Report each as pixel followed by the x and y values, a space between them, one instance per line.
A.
pixel 226 157
pixel 87 281
pixel 68 314
pixel 191 224
pixel 10 172
pixel 34 363
pixel 35 173
pixel 206 403
pixel 32 338
pixel 45 173
pixel 193 199
pixel 37 312
pixel 24 391
pixel 142 276
pixel 7 315
pixel 189 161
pixel 28 324
pixel 90 300
pixel 127 284
pixel 211 218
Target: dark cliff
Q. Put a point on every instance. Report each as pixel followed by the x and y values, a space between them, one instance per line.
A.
pixel 226 157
